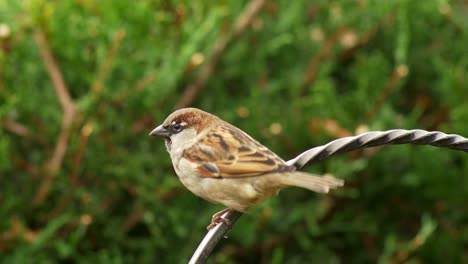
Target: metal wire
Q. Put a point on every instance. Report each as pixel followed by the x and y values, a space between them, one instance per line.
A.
pixel 377 138
pixel 212 238
pixel 342 145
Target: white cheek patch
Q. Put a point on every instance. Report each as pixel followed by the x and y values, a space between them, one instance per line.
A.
pixel 185 138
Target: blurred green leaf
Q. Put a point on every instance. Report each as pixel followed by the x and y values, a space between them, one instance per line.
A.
pixel 301 74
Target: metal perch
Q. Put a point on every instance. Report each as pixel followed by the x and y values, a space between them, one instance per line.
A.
pixel 342 145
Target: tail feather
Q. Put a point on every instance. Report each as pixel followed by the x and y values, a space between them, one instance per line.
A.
pixel 321 184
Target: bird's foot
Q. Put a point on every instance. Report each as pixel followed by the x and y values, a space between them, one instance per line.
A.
pixel 217 218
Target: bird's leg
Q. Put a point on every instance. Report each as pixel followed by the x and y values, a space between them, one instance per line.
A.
pixel 217 218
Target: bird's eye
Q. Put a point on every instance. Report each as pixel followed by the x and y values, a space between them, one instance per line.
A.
pixel 177 127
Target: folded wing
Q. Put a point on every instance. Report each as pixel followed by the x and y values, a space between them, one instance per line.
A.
pixel 232 153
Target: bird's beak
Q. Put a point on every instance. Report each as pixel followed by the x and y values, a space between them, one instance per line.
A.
pixel 160 131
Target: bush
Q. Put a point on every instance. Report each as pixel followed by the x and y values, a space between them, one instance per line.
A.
pixel 83 82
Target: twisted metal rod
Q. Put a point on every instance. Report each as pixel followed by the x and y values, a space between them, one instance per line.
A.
pixel 377 138
pixel 341 145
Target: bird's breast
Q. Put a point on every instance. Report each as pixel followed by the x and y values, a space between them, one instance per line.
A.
pixel 237 193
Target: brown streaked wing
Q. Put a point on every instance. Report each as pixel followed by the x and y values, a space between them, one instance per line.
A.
pixel 234 155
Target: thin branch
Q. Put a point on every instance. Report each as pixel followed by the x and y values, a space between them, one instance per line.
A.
pixel 145 81
pixel 21 164
pixel 15 128
pixel 68 107
pixel 138 87
pixel 21 130
pixel 365 37
pixel 398 73
pixel 132 219
pixel 88 127
pixel 313 67
pixel 69 112
pixel 54 71
pixel 192 90
pixel 331 41
pixel 86 132
pixel 105 68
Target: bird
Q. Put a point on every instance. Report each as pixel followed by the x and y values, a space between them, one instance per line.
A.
pixel 222 164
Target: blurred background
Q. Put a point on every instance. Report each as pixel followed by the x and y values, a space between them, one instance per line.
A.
pixel 83 82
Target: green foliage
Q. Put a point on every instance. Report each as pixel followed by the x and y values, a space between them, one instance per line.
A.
pixel 301 74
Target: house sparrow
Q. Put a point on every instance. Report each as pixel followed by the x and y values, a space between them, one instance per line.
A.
pixel 222 164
